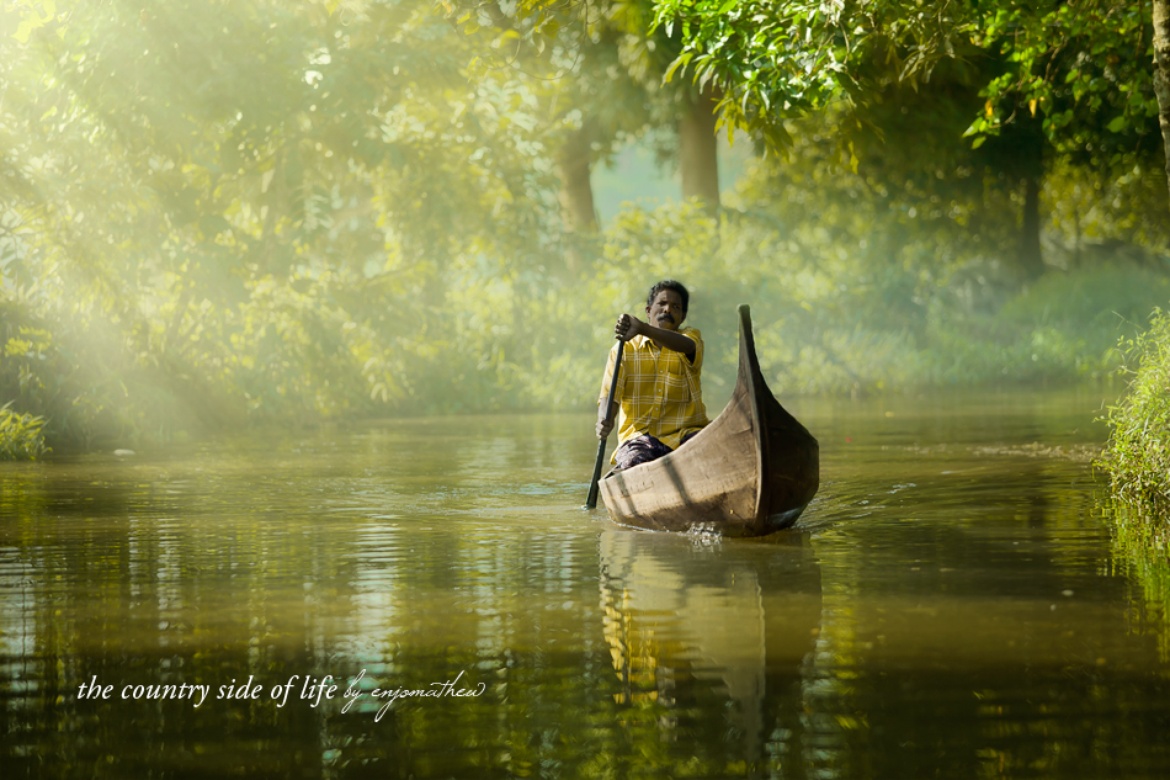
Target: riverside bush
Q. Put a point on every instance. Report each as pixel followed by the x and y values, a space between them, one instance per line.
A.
pixel 1067 325
pixel 1137 457
pixel 21 435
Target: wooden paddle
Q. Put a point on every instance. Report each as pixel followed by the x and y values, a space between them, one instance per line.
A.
pixel 591 500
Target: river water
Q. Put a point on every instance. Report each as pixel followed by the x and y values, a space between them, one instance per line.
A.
pixel 953 605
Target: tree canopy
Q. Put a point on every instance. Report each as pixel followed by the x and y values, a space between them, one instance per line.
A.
pixel 1071 65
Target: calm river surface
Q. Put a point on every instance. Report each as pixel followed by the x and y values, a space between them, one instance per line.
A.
pixel 954 606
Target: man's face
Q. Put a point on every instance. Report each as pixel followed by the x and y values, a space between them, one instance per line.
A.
pixel 666 310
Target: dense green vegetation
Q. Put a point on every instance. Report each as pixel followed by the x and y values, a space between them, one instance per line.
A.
pixel 1138 455
pixel 225 213
pixel 20 435
pixel 1053 74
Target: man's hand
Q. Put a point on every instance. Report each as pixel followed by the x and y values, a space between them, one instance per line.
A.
pixel 604 426
pixel 627 327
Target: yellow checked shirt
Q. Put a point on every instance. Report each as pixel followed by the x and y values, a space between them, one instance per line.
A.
pixel 658 390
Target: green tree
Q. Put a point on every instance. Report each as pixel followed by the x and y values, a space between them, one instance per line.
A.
pixel 606 66
pixel 261 206
pixel 1056 78
pixel 570 58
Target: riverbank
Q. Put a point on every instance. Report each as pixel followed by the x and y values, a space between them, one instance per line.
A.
pixel 1137 457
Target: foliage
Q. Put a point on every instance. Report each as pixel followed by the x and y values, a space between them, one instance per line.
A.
pixel 1065 326
pixel 1074 66
pixel 1138 454
pixel 74 381
pixel 1092 214
pixel 266 223
pixel 21 435
pixel 777 61
pixel 1071 63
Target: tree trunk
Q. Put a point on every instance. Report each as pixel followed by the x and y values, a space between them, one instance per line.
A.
pixel 576 196
pixel 1162 74
pixel 1031 259
pixel 578 210
pixel 1030 142
pixel 698 155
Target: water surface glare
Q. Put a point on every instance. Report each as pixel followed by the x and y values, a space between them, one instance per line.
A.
pixel 426 599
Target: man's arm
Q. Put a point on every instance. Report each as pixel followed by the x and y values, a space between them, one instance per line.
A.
pixel 605 421
pixel 606 418
pixel 629 326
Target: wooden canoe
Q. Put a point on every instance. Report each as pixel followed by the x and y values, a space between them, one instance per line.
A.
pixel 750 472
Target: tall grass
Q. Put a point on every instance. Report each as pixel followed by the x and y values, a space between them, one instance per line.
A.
pixel 1138 454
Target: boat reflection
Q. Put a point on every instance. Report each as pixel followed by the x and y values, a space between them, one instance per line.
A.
pixel 696 626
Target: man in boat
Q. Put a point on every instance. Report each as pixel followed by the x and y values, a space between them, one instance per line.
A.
pixel 658 401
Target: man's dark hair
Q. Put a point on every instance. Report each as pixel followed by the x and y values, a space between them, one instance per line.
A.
pixel 669 284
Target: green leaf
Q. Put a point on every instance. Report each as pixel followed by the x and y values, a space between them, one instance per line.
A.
pixel 679 62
